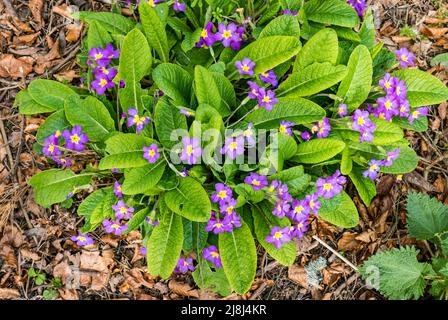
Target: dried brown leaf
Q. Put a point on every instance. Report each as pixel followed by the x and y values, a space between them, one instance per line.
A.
pixel 9 293
pixel 183 289
pixel 36 7
pixel 298 275
pixel 11 67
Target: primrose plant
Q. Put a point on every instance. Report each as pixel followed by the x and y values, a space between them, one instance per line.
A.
pixel 212 125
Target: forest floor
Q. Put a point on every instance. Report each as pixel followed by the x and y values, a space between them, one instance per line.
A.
pixel 39 40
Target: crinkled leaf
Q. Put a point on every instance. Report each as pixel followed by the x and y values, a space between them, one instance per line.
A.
pixel 334 12
pixel 344 214
pixel 366 187
pixel 175 82
pixel 155 31
pixel 138 180
pixel 49 93
pixel 168 119
pixel 318 150
pixel 285 25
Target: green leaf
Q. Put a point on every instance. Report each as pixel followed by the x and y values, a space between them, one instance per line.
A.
pixel 112 22
pixel 320 48
pixel 294 177
pixel 346 161
pixel 287 146
pixel 334 12
pixel 165 245
pixel 427 216
pixel 419 125
pixel 97 207
pixel 355 88
pixel 239 257
pixel 137 220
pixel 207 91
pixel 318 150
pixel 267 53
pixel 422 88
pixel 97 36
pixel 138 180
pixel 216 280
pixel 155 31
pixel 167 120
pixel 54 122
pixel 343 214
pixel 366 187
pixel 91 115
pixel 264 220
pixel 135 62
pixel 367 31
pixel 125 151
pixel 53 186
pixel 175 82
pixel 297 110
pixel 49 93
pixel 406 162
pixel 312 79
pixel 285 25
pixel 195 236
pixel 28 106
pixel 226 91
pixel 190 200
pixel 440 59
pixel 397 272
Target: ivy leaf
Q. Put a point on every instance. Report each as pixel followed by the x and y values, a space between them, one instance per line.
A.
pixel 285 25
pixel 398 273
pixel 264 220
pixel 343 214
pixel 427 216
pixel 318 150
pixel 155 30
pixel 239 257
pixel 333 12
pixel 135 62
pixel 125 151
pixel 165 245
pixel 189 200
pixel 312 79
pixel 267 53
pixel 322 47
pixel 297 110
pixel 53 186
pixel 49 93
pixel 355 88
pixel 423 89
pixel 366 187
pixel 167 120
pixel 91 115
pixel 174 81
pixel 97 207
pixel 138 180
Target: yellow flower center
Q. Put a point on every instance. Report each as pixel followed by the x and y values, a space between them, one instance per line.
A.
pixel 415 114
pixel 123 209
pixel 328 186
pixel 373 167
pixel 103 82
pixel 215 254
pixel 75 138
pixel 245 68
pixel 218 225
pixel 81 238
pixel 233 146
pixel 382 116
pixel 152 153
pixel 57 133
pixel 151 3
pixel 388 105
pixel 298 209
pixel 278 235
pixel 311 204
pixel 204 33
pixel 264 74
pixel 185 263
pixel 404 58
pixel 227 34
pixel 98 56
pixel 266 99
pixel 189 150
pixel 222 194
pixel 115 226
pixel 51 148
pixel 300 225
pixel 229 209
pixel 282 129
pixel 387 85
pixel 256 182
pixel 360 121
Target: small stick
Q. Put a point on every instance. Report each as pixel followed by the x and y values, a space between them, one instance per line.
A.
pixel 335 252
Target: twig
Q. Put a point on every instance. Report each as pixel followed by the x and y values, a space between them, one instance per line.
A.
pixel 335 252
pixel 259 291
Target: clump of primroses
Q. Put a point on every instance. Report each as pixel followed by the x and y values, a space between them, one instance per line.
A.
pixel 298 211
pixel 375 165
pixel 229 34
pixel 226 218
pixel 56 145
pixel 100 60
